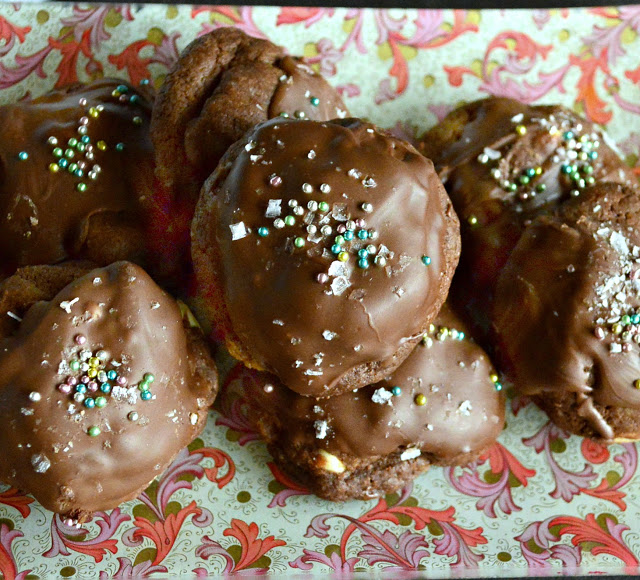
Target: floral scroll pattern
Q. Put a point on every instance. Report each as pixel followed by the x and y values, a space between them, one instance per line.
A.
pixel 538 498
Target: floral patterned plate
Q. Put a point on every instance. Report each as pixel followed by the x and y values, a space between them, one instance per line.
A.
pixel 539 499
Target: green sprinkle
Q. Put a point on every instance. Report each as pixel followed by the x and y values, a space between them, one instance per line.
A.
pixel 94 431
pixel 299 242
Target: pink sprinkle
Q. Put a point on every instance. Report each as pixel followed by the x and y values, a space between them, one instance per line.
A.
pixel 85 379
pixel 361 223
pixel 275 180
pixel 82 102
pixel 92 386
pixel 341 229
pixel 80 339
pixel 268 388
pixel 599 332
pixel 322 278
pixel 84 120
pixel 123 98
pixel 635 275
pixel 64 388
pixel 122 380
pixel 72 381
pixel 626 347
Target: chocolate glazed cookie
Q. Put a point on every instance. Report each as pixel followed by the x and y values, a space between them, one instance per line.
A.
pixel 440 407
pixel 323 251
pixel 224 83
pixel 567 314
pixel 504 163
pixel 76 167
pixel 101 384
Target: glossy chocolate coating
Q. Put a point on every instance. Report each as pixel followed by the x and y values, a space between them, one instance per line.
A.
pixel 560 311
pixel 48 449
pixel 480 146
pixel 462 415
pixel 44 217
pixel 312 333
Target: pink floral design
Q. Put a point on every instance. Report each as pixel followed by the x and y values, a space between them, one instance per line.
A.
pixel 252 548
pixel 65 538
pixel 604 532
pixel 8 567
pixel 505 467
pixel 291 488
pixel 403 551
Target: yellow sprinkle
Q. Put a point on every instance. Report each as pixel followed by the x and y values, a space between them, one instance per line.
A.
pixel 92 373
pixel 420 400
pixel 343 256
pixel 636 383
pixel 473 220
pixel 94 361
pixel 494 378
pixel 521 130
pixel 101 145
pixel 93 112
pixel 54 167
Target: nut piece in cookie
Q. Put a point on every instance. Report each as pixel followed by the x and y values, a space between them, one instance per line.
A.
pixel 323 251
pixel 567 314
pixel 76 166
pixel 224 84
pixel 101 384
pixel 442 406
pixel 503 163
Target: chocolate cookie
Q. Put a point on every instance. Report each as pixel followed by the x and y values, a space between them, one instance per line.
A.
pixel 101 385
pixel 440 407
pixel 224 84
pixel 567 314
pixel 75 168
pixel 323 251
pixel 503 163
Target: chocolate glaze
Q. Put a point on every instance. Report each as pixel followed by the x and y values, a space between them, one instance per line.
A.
pixel 302 93
pixel 313 334
pixel 463 413
pixel 44 219
pixel 566 285
pixel 492 216
pixel 45 433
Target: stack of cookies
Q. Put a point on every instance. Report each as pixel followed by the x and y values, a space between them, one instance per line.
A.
pixel 323 250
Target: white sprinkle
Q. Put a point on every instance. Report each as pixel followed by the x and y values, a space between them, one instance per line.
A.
pixel 369 182
pixel 429 427
pixel 274 208
pixel 278 322
pixel 26 411
pixel 297 364
pixel 193 418
pixel 339 285
pixel 410 454
pixel 465 408
pixel 517 118
pixel 321 428
pixel 354 173
pixel 382 396
pixel 40 462
pixel 14 316
pixel 312 373
pixel 238 231
pixel 311 154
pixel 615 348
pixel 328 335
pixel 325 188
pixel 66 305
pixel 492 154
pixel 35 396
